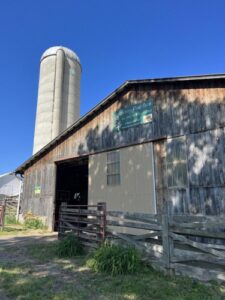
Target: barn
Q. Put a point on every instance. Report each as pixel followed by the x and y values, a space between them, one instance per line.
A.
pixel 148 142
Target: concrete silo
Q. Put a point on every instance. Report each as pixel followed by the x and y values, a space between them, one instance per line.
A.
pixel 58 104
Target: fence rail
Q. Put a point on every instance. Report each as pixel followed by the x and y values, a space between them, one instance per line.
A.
pixel 180 244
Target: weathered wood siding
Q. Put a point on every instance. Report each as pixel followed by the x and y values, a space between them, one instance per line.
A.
pixel 43 176
pixel 193 109
pixel 205 190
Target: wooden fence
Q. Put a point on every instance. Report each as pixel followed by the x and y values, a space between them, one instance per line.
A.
pixel 180 244
pixel 10 206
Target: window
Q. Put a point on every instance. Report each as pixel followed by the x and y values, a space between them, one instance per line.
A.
pixel 176 161
pixel 113 168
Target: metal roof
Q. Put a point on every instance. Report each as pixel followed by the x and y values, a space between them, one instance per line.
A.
pixel 9 185
pixel 104 102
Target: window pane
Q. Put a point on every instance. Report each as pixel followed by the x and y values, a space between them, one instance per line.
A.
pixel 109 169
pixel 113 179
pixel 113 168
pixel 117 179
pixel 112 156
pixel 116 168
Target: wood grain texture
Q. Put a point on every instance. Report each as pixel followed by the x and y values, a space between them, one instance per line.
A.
pixel 194 110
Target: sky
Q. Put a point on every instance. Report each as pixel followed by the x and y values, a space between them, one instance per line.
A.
pixel 116 40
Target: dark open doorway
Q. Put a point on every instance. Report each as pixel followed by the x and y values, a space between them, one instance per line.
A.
pixel 71 184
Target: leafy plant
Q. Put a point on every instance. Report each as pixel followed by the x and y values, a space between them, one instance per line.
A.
pixel 33 222
pixel 69 246
pixel 115 259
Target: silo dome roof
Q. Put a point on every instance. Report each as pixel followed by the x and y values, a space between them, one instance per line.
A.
pixel 52 51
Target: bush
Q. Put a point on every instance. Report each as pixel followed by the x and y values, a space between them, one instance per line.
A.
pixel 69 246
pixel 33 222
pixel 115 260
pixel 10 220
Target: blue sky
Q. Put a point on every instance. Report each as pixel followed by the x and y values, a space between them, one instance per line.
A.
pixel 116 40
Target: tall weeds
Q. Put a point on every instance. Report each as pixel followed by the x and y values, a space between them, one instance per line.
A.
pixel 115 260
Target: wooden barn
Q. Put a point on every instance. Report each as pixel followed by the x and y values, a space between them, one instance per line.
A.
pixel 149 141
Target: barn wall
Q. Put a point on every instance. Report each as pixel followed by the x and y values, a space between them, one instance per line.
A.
pixel 178 109
pixel 205 189
pixel 192 109
pixel 39 192
pixel 135 193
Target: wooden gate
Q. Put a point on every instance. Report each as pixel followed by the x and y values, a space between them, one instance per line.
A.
pixel 88 222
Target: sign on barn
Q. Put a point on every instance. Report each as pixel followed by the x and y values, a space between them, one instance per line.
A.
pixel 133 115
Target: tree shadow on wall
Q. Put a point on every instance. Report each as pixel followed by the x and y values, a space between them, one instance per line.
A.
pixel 196 112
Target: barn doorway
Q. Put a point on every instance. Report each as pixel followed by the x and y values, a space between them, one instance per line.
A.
pixel 71 184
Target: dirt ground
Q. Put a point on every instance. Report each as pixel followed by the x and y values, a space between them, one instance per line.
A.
pixel 30 270
pixel 8 243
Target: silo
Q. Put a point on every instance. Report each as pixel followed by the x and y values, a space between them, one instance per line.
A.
pixel 58 104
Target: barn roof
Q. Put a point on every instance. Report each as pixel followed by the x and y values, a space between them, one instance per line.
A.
pixel 88 116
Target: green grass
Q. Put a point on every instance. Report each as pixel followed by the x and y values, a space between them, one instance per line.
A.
pixel 18 229
pixel 20 282
pixel 69 246
pixel 33 224
pixel 11 220
pixel 115 260
pixel 43 252
pixel 35 272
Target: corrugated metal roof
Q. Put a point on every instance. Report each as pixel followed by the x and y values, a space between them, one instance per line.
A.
pixel 105 101
pixel 9 185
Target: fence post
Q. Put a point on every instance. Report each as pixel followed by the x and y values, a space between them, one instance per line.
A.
pixel 2 216
pixel 61 230
pixel 167 241
pixel 101 207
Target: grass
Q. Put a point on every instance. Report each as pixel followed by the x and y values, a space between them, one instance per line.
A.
pixel 115 260
pixel 10 219
pixel 38 273
pixel 34 224
pixel 19 229
pixel 13 227
pixel 69 246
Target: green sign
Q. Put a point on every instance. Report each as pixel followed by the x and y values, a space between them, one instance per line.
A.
pixel 133 115
pixel 37 190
